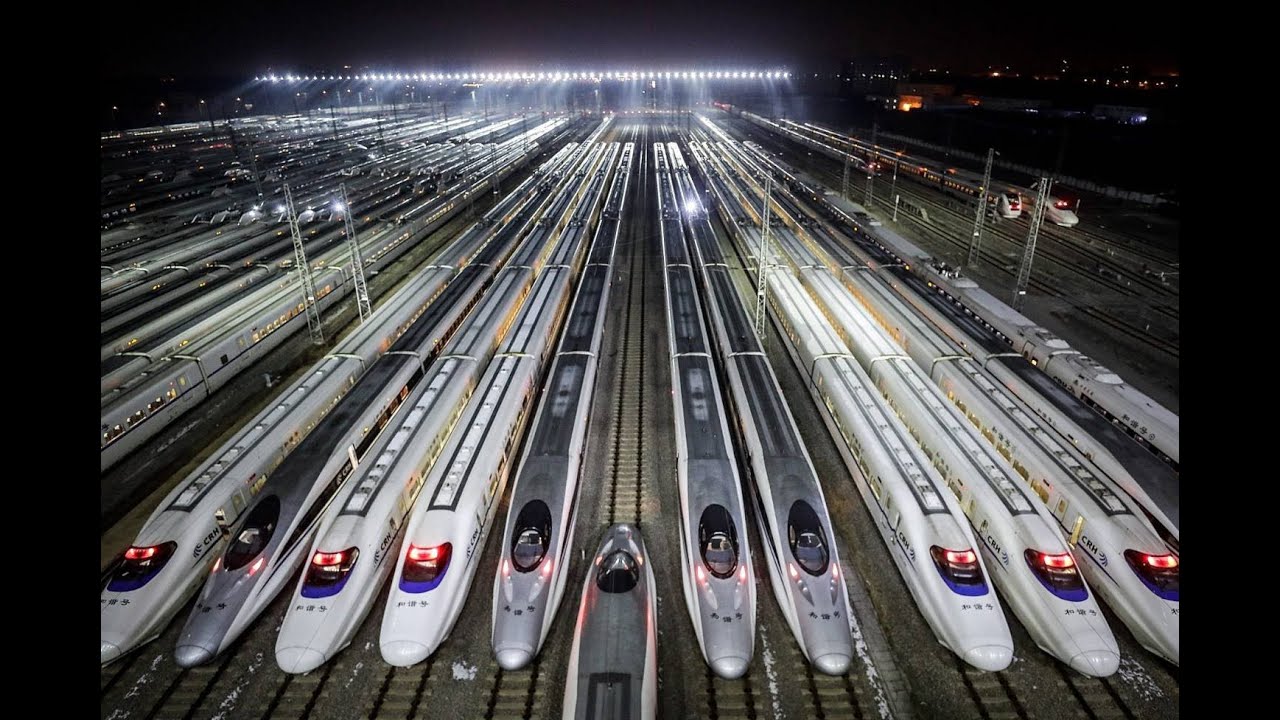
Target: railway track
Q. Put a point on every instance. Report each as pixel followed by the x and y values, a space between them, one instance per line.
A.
pixel 991 693
pixel 1130 329
pixel 401 694
pixel 1097 696
pixel 628 422
pixel 1125 327
pixel 1109 246
pixel 189 690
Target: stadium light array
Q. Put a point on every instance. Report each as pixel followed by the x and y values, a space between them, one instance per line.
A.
pixel 543 76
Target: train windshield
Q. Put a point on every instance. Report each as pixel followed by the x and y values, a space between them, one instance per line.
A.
pixel 255 534
pixel 718 539
pixel 1058 573
pixel 138 565
pixel 618 572
pixel 1158 572
pixel 808 541
pixel 532 532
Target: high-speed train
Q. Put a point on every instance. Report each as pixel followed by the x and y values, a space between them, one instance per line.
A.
pixel 532 570
pixel 147 585
pixel 719 587
pixel 367 518
pixel 1078 495
pixel 613 663
pixel 176 376
pixel 791 512
pixel 1084 402
pixel 267 545
pixel 1034 568
pixel 1007 200
pixel 922 524
pixel 451 519
pixel 169 558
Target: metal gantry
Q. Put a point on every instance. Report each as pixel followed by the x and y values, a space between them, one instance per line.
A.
pixel 844 182
pixel 981 215
pixel 363 305
pixel 762 259
pixel 304 272
pixel 1037 216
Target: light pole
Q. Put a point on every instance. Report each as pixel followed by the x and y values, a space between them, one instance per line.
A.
pixel 897 160
pixel 208 113
pixel 114 123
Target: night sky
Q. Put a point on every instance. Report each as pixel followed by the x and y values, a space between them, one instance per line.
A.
pixel 210 38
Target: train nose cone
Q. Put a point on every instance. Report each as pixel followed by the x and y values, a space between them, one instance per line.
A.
pixel 110 651
pixel 729 668
pixel 832 663
pixel 192 655
pixel 1096 663
pixel 514 658
pixel 992 658
pixel 404 653
pixel 298 660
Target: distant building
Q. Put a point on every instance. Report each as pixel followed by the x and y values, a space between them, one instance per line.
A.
pixel 873 74
pixel 930 96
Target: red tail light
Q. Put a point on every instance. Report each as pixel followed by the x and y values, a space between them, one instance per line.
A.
pixel 961 557
pixel 1061 204
pixel 324 559
pixel 140 553
pixel 1058 561
pixel 1161 561
pixel 421 554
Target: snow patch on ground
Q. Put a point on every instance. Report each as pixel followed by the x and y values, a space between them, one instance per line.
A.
pixel 143 680
pixel 354 672
pixel 767 656
pixel 873 676
pixel 1132 672
pixel 228 703
pixel 462 672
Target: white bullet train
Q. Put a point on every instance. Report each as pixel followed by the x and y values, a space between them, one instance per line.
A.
pixel 613 663
pixel 1073 397
pixel 277 526
pixel 336 590
pixel 791 511
pixel 453 515
pixel 1110 525
pixel 532 570
pixel 923 526
pixel 172 553
pixel 719 586
pixel 1035 570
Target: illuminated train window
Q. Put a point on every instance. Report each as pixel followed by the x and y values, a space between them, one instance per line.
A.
pixel 618 572
pixel 532 532
pixel 255 534
pixel 807 539
pixel 718 539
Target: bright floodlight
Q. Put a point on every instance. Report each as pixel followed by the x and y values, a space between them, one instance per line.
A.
pixel 279 209
pixel 691 207
pixel 337 207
